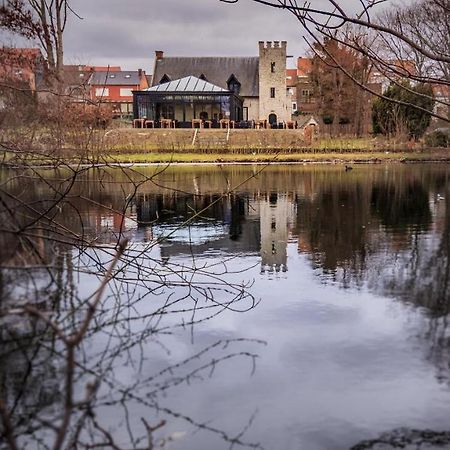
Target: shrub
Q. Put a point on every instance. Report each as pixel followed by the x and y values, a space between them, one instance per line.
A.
pixel 438 138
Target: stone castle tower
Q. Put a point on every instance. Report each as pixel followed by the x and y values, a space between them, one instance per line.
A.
pixel 273 101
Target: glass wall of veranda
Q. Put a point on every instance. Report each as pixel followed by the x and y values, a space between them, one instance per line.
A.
pixel 186 108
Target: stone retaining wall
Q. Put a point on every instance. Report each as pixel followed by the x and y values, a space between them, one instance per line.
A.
pixel 215 140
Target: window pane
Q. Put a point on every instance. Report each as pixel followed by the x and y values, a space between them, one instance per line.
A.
pixel 101 92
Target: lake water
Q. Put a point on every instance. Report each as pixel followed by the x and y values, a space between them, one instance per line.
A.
pixel 295 307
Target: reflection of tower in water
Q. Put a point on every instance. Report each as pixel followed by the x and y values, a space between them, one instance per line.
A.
pixel 276 212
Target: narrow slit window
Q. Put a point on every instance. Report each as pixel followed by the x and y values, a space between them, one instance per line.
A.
pixel 272 92
pixel 272 67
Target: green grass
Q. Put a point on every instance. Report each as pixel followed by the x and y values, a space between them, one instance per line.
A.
pixel 308 155
pixel 269 157
pixel 344 144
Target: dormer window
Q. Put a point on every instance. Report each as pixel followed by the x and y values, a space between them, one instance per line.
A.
pixel 127 75
pixel 165 79
pixel 234 85
pixel 112 76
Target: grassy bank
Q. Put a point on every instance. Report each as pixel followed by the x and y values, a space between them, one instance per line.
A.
pixel 211 146
pixel 312 157
pixel 221 142
pixel 323 156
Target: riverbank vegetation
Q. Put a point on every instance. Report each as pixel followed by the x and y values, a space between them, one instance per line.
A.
pixel 44 146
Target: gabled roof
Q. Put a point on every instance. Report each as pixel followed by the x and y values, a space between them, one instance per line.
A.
pixel 186 84
pixel 114 78
pixel 216 70
pixel 304 121
pixel 304 66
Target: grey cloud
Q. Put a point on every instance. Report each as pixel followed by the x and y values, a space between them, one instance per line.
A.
pixel 127 33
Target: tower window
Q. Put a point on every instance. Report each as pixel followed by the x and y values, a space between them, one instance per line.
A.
pixel 272 67
pixel 272 92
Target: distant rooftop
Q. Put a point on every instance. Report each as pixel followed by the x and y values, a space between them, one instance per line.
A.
pixel 304 66
pixel 114 78
pixel 186 84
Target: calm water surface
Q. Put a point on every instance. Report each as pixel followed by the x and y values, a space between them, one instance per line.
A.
pixel 338 329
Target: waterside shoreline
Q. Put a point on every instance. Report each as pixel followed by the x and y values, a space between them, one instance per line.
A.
pixel 151 159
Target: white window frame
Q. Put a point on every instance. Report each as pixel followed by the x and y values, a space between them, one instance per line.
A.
pixel 126 92
pixel 102 92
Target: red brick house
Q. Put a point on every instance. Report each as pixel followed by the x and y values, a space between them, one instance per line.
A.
pixel 25 66
pixel 306 99
pixel 116 87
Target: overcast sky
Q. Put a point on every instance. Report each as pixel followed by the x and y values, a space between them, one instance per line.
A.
pixel 127 32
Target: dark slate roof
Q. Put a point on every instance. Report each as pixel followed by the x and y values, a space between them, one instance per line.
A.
pixel 74 77
pixel 216 70
pixel 186 84
pixel 122 78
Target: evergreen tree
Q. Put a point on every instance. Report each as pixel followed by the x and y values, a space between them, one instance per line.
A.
pixel 404 110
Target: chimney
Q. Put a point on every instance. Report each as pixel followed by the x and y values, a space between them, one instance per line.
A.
pixel 159 54
pixel 140 73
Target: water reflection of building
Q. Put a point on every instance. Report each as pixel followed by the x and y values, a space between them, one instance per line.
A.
pixel 200 223
pixel 276 215
pixel 233 224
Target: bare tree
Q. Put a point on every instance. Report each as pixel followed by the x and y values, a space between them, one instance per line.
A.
pixel 341 101
pixel 427 23
pixel 50 248
pixel 49 325
pixel 44 22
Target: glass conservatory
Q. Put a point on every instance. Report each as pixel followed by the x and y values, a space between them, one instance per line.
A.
pixel 187 101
